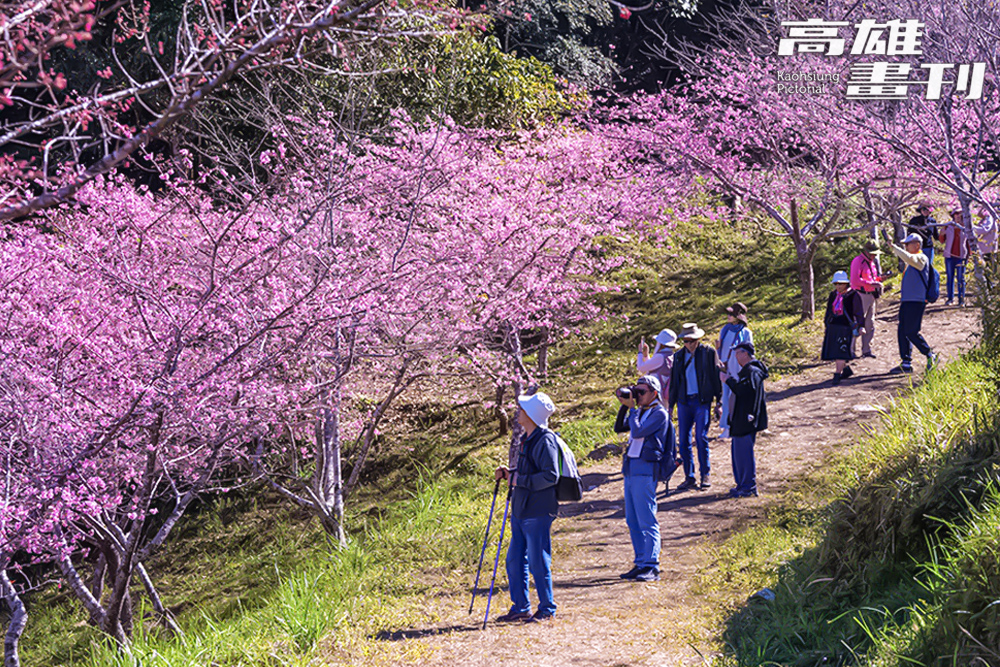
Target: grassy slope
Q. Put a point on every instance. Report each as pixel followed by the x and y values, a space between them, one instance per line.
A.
pixel 254 582
pixel 892 556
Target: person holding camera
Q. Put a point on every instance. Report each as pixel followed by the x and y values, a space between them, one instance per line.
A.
pixel 644 417
pixel 694 384
pixel 660 361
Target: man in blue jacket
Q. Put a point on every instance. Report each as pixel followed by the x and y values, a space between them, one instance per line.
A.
pixel 694 384
pixel 533 508
pixel 644 417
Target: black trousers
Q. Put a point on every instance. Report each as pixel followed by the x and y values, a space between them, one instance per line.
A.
pixel 911 316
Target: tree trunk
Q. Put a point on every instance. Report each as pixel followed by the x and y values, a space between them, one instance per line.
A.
pixel 501 414
pixel 328 482
pixel 806 282
pixel 543 354
pixel 18 619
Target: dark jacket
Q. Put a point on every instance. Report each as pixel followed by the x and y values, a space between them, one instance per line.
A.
pixel 654 434
pixel 926 226
pixel 706 365
pixel 750 411
pixel 534 491
pixel 854 310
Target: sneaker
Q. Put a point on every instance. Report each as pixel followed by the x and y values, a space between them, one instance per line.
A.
pixel 836 379
pixel 948 302
pixel 869 355
pixel 686 485
pixel 932 361
pixel 848 372
pixel 705 483
pixel 648 574
pixel 631 574
pixel 902 368
pixel 514 617
pixel 541 616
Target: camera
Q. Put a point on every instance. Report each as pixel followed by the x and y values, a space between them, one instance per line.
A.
pixel 624 393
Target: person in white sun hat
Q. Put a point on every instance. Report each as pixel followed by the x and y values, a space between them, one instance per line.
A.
pixel 694 385
pixel 533 508
pixel 660 362
pixel 844 320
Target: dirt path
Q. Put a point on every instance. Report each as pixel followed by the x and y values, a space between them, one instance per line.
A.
pixel 608 622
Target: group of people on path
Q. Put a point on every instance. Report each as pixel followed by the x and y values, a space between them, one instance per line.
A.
pixel 687 375
pixel 851 306
pixel 683 372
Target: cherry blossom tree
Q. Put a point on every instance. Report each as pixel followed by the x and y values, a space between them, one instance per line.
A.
pixel 732 127
pixel 55 126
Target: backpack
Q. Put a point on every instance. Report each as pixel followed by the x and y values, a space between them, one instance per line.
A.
pixel 667 464
pixel 932 283
pixel 569 487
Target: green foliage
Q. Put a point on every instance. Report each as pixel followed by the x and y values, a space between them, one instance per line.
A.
pixel 557 33
pixel 466 78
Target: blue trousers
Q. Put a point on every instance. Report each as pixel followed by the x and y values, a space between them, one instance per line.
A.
pixel 930 255
pixel 911 317
pixel 530 549
pixel 744 464
pixel 640 517
pixel 956 273
pixel 692 412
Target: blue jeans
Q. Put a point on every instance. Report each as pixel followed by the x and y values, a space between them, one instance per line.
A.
pixel 640 517
pixel 930 256
pixel 956 271
pixel 530 549
pixel 744 464
pixel 692 412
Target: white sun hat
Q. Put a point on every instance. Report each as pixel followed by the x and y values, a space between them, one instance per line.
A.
pixel 667 338
pixel 539 407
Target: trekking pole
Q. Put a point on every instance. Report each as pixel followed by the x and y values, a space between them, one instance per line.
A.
pixel 489 522
pixel 496 561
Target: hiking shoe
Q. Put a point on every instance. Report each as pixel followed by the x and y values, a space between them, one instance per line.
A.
pixel 742 493
pixel 932 361
pixel 902 369
pixel 948 302
pixel 870 355
pixel 837 377
pixel 648 574
pixel 541 616
pixel 848 372
pixel 513 617
pixel 705 483
pixel 686 485
pixel 631 574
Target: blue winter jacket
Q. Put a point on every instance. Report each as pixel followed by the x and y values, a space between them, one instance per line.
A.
pixel 534 491
pixel 653 431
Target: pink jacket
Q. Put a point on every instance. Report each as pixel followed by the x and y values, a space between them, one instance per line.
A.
pixel 864 274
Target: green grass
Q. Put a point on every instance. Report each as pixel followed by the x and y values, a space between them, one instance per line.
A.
pixel 890 555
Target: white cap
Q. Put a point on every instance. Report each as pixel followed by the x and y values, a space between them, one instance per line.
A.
pixel 910 238
pixel 840 277
pixel 539 407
